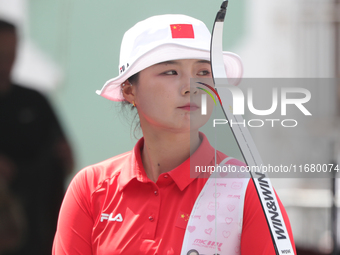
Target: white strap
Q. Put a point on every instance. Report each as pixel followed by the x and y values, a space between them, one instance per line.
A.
pixel 215 223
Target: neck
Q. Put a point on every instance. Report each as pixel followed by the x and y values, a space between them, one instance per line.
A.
pixel 164 151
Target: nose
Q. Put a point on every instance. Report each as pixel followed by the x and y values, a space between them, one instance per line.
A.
pixel 191 90
pixel 189 87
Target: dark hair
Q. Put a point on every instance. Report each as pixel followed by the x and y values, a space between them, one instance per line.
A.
pixel 133 81
pixel 134 78
pixel 6 26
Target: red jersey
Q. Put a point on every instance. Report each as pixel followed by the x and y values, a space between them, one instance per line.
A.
pixel 114 208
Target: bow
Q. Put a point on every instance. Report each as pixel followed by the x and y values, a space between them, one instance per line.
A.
pixel 276 224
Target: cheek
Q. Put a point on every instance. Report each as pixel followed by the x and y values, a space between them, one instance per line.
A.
pixel 197 120
pixel 155 103
pixel 211 104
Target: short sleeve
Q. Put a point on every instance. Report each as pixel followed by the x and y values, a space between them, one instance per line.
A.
pixel 75 223
pixel 256 238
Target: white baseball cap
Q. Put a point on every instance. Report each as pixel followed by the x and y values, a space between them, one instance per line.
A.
pixel 164 38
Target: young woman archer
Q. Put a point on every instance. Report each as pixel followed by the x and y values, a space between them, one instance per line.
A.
pixel 139 202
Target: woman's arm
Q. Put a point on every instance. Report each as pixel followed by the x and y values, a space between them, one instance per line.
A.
pixel 75 221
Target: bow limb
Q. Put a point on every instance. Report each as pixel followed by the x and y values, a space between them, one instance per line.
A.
pixel 244 138
pixel 217 65
pixel 216 46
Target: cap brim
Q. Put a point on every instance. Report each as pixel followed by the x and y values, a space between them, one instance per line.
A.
pixel 112 90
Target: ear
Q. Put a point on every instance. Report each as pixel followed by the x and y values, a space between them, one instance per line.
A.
pixel 128 91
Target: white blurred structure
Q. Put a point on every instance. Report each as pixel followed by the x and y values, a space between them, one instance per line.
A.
pixel 297 39
pixel 287 39
pixel 33 68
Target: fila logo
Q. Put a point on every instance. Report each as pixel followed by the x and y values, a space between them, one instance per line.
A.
pixel 109 217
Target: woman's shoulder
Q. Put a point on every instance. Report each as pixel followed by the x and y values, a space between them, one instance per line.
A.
pixel 92 176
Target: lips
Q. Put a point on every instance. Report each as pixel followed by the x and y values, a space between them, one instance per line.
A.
pixel 189 107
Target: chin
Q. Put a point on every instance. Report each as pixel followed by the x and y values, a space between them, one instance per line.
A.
pixel 197 121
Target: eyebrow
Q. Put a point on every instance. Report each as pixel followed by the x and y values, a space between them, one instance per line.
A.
pixel 171 62
pixel 204 62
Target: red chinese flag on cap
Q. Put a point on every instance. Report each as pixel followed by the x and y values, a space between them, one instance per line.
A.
pixel 182 31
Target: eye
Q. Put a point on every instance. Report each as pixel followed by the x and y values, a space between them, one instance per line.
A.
pixel 204 73
pixel 171 72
